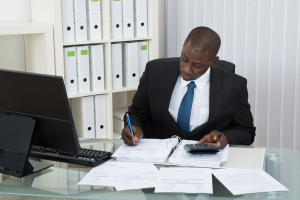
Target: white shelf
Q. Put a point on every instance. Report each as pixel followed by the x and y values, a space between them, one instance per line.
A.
pixel 124 89
pixel 86 42
pixel 88 94
pixel 38 43
pixel 24 27
pixel 130 39
pixel 49 11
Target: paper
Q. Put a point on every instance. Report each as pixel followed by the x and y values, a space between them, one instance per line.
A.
pixel 244 181
pixel 148 150
pixel 98 175
pixel 141 175
pixel 183 157
pixel 184 180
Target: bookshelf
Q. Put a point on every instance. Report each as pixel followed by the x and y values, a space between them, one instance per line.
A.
pixel 49 11
pixel 38 44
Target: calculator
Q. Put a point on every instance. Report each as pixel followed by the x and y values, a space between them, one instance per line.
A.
pixel 203 148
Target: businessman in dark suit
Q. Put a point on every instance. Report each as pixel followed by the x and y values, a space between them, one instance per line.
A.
pixel 191 98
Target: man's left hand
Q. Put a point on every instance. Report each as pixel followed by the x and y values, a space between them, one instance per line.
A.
pixel 216 137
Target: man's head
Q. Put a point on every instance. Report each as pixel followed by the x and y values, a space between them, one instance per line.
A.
pixel 199 52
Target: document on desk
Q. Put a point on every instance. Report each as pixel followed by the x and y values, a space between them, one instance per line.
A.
pixel 182 157
pixel 148 150
pixel 244 181
pixel 184 180
pixel 141 175
pixel 98 175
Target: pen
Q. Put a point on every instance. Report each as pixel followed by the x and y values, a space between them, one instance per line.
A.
pixel 129 124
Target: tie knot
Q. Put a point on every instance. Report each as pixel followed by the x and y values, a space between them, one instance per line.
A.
pixel 191 85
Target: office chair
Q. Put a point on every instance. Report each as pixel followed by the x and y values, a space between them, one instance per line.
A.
pixel 226 65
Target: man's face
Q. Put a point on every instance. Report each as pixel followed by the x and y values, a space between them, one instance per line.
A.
pixel 194 64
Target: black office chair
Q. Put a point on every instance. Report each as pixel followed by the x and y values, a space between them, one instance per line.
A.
pixel 226 65
pixel 221 63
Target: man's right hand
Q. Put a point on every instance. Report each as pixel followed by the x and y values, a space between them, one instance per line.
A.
pixel 128 138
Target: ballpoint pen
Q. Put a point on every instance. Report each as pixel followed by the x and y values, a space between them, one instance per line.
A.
pixel 129 124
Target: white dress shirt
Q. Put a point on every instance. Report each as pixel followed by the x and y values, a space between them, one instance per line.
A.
pixel 200 107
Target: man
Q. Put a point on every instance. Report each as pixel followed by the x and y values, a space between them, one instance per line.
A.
pixel 191 98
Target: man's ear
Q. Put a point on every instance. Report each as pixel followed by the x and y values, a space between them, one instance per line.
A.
pixel 214 62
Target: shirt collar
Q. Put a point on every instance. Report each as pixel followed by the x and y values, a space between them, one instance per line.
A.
pixel 200 82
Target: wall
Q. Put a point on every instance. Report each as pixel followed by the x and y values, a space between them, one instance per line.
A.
pixel 263 39
pixel 12 54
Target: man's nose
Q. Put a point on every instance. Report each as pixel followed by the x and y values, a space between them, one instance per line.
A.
pixel 188 69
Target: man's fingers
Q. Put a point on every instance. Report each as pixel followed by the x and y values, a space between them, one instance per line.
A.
pixel 203 139
pixel 216 135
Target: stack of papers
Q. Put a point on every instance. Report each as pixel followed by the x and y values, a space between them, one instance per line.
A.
pixel 122 175
pixel 148 150
pixel 182 157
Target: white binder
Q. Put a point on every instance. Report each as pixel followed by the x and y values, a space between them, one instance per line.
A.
pixel 96 68
pixel 80 20
pixel 116 19
pixel 128 19
pixel 67 12
pixel 130 64
pixel 83 115
pixel 116 62
pixel 143 56
pixel 118 115
pixel 70 70
pixel 141 22
pixel 83 69
pixel 100 116
pixel 94 20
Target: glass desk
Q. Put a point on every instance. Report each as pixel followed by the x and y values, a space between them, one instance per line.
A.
pixel 282 164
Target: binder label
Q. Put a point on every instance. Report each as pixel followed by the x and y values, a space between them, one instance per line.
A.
pixel 71 53
pixel 95 0
pixel 116 0
pixel 144 47
pixel 84 52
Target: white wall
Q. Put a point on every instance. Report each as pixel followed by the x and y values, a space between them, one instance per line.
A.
pixel 263 39
pixel 12 54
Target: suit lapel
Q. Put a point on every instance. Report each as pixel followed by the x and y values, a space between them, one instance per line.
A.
pixel 216 93
pixel 168 85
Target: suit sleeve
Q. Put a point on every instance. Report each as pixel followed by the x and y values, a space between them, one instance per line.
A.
pixel 139 111
pixel 241 130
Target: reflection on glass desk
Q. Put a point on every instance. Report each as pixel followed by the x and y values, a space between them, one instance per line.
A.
pixel 54 182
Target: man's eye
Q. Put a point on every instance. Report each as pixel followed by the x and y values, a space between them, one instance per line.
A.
pixel 184 59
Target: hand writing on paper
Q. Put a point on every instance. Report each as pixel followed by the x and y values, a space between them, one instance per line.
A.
pixel 216 137
pixel 128 138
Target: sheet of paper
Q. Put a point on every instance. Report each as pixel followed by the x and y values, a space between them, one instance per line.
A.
pixel 141 175
pixel 184 180
pixel 148 150
pixel 183 157
pixel 184 154
pixel 244 181
pixel 98 176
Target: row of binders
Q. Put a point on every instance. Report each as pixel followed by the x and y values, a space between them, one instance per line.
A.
pixel 81 19
pixel 128 18
pixel 128 63
pixel 84 69
pixel 89 114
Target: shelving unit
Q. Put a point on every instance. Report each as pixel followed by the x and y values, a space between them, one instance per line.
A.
pixel 49 11
pixel 38 42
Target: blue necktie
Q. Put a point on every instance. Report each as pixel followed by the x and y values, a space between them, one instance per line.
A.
pixel 184 113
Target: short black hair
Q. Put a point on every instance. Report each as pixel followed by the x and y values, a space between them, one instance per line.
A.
pixel 203 38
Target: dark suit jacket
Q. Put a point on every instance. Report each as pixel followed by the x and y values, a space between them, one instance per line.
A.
pixel 229 110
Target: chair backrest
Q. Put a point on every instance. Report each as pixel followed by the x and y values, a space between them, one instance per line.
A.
pixel 226 65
